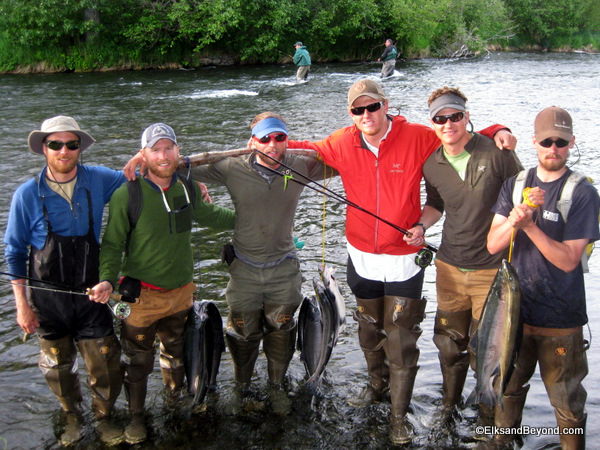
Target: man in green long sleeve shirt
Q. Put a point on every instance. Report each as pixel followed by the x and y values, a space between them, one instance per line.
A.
pixel 157 252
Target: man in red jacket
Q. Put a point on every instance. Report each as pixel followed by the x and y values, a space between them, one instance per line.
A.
pixel 380 159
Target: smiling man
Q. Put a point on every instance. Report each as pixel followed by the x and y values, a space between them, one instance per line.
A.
pixel 264 289
pixel 158 261
pixel 53 236
pixel 463 178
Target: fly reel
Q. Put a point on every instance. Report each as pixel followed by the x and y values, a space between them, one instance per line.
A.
pixel 424 258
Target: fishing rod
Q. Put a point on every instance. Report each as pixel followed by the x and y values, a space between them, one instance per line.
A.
pixel 425 255
pixel 121 309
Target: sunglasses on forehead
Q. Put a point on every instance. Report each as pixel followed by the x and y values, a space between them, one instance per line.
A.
pixel 441 120
pixel 58 145
pixel 360 110
pixel 266 139
pixel 560 143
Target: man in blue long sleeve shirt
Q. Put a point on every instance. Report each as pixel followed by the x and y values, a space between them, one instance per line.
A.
pixel 54 228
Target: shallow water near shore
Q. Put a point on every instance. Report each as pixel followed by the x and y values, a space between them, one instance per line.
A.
pixel 210 110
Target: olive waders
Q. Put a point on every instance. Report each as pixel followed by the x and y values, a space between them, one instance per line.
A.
pixel 369 315
pixel 485 416
pixel 402 316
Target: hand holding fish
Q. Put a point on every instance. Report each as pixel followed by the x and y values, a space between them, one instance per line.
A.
pixel 101 292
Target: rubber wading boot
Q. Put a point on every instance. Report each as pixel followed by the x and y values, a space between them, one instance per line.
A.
pixel 58 363
pixel 369 316
pixel 105 376
pixel 136 432
pixel 451 337
pixel 280 402
pixel 109 432
pixel 279 350
pixel 234 402
pixel 73 431
pixel 402 381
pixel 575 438
pixel 510 415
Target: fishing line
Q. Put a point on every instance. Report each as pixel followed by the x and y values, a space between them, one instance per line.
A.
pixel 424 256
pixel 342 199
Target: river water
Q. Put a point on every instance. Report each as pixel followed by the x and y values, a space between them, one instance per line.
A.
pixel 211 109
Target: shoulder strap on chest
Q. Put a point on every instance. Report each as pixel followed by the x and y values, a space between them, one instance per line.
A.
pixel 134 206
pixel 188 184
pixel 566 196
pixel 520 180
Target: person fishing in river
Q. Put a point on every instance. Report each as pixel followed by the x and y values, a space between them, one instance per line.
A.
pixel 549 243
pixel 462 178
pixel 54 225
pixel 380 160
pixel 158 264
pixel 302 59
pixel 388 57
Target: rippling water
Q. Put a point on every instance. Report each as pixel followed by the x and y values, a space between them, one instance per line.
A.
pixel 211 109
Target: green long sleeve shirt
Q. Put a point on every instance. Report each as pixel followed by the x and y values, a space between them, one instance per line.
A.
pixel 159 249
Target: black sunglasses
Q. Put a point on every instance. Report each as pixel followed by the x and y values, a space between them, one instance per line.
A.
pixel 560 143
pixel 441 120
pixel 57 145
pixel 360 110
pixel 278 138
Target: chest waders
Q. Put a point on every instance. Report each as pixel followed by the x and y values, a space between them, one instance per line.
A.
pixel 66 319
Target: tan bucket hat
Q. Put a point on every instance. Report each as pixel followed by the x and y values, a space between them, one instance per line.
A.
pixel 56 125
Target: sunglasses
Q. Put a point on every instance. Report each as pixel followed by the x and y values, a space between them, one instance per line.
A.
pixel 560 143
pixel 360 110
pixel 266 139
pixel 441 120
pixel 58 145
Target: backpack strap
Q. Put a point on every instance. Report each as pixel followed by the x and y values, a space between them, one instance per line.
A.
pixel 134 208
pixel 520 180
pixel 188 185
pixel 564 205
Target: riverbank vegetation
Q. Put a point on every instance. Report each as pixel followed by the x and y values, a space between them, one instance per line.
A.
pixel 59 35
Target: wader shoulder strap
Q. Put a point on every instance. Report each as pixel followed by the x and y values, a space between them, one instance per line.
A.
pixel 520 180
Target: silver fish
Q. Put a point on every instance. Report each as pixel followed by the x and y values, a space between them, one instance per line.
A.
pixel 496 341
pixel 320 321
pixel 203 345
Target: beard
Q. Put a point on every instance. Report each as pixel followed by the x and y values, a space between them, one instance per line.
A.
pixel 553 165
pixel 63 167
pixel 160 171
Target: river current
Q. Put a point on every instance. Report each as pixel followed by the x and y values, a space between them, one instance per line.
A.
pixel 210 110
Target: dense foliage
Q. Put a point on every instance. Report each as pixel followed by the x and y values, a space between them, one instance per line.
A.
pixel 95 34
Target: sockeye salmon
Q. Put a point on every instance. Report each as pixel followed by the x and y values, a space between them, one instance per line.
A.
pixel 202 348
pixel 321 319
pixel 497 339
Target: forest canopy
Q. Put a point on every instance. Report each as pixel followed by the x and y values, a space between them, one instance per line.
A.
pixel 50 35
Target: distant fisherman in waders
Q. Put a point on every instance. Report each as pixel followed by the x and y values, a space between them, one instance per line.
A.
pixel 158 262
pixel 389 55
pixel 380 159
pixel 549 243
pixel 462 178
pixel 302 60
pixel 54 223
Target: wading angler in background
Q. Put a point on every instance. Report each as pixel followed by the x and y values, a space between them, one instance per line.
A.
pixel 54 224
pixel 302 60
pixel 549 241
pixel 463 178
pixel 158 260
pixel 380 159
pixel 388 57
